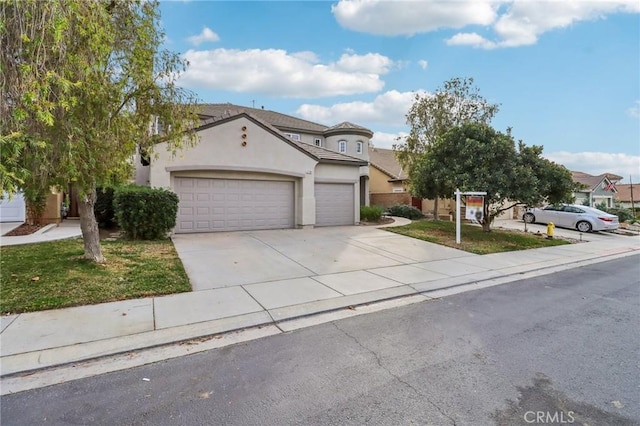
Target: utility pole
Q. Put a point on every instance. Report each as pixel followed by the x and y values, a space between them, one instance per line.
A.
pixel 633 208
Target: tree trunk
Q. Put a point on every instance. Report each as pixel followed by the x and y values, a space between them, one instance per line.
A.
pixel 436 216
pixel 89 227
pixel 486 219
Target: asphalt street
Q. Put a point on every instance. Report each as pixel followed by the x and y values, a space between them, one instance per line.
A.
pixel 558 349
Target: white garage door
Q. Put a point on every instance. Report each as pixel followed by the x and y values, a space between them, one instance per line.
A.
pixel 334 204
pixel 209 205
pixel 12 210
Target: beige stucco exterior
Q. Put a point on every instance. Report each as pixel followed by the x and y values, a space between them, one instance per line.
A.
pixel 379 182
pixel 241 148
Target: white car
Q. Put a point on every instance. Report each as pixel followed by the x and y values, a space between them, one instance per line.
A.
pixel 582 218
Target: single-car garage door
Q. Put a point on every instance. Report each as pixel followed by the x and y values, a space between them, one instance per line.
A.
pixel 334 204
pixel 210 205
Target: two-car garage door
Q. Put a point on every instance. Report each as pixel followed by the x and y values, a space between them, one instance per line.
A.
pixel 209 205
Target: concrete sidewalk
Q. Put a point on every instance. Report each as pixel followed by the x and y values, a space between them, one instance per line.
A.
pixel 41 340
pixel 67 229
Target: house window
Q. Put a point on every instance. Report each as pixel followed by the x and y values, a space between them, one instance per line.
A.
pixel 342 146
pixel 318 141
pixel 396 189
pixel 294 136
pixel 359 147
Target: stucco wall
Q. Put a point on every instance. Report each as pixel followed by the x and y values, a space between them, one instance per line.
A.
pixel 221 153
pixel 379 182
pixel 331 142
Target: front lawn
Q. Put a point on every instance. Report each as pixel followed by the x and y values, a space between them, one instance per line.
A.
pixel 36 277
pixel 473 239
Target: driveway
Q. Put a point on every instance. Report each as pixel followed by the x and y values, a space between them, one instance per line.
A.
pixel 333 256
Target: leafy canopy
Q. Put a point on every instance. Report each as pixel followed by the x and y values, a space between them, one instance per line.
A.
pixel 475 157
pixel 82 80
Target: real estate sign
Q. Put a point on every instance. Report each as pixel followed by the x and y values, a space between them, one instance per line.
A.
pixel 475 208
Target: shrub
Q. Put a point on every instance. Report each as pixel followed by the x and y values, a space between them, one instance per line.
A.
pixel 403 210
pixel 103 209
pixel 145 213
pixel 624 215
pixel 371 213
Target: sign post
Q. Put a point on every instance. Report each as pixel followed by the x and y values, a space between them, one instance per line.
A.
pixel 475 208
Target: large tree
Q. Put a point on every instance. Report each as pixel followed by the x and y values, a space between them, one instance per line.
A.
pixel 475 157
pixel 431 115
pixel 81 82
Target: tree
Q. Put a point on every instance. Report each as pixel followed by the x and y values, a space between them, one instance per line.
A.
pixel 432 115
pixel 81 82
pixel 475 157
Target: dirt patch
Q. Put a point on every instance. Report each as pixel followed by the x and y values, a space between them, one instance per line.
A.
pixel 382 221
pixel 24 229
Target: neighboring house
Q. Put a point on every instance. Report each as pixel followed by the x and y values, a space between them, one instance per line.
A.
pixel 596 189
pixel 257 169
pixel 627 194
pixel 389 183
pixel 14 209
pixel 387 179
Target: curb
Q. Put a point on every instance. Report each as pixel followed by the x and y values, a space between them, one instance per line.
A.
pixel 29 363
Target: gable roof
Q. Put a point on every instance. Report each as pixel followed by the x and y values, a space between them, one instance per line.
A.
pixel 319 154
pixel 385 160
pixel 281 121
pixel 624 193
pixel 592 182
pixel 276 119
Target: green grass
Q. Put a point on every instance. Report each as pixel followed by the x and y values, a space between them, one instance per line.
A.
pixel 53 275
pixel 473 239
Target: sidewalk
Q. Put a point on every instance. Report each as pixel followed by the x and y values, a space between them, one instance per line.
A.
pixel 41 340
pixel 66 229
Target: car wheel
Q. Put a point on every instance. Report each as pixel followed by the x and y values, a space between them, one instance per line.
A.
pixel 529 218
pixel 583 226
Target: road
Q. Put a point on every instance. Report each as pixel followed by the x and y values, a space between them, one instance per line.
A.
pixel 562 347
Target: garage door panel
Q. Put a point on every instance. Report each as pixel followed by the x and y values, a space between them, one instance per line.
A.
pixel 334 204
pixel 209 205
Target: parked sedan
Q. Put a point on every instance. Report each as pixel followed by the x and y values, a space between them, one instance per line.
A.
pixel 582 218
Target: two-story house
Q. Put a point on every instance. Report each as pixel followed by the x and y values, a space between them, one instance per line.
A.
pixel 259 169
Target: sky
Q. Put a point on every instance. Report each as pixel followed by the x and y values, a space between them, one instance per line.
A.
pixel 565 73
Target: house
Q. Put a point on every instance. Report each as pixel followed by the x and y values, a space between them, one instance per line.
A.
pixel 388 185
pixel 628 195
pixel 259 169
pixel 13 209
pixel 595 189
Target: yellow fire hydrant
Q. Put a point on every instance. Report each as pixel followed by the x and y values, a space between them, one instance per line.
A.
pixel 550 227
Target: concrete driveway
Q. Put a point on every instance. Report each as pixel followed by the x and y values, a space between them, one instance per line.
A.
pixel 333 256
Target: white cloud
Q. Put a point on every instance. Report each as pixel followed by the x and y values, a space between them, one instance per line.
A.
pixel 205 35
pixel 279 73
pixel 596 163
pixel 423 64
pixel 513 22
pixel 411 17
pixel 371 62
pixel 634 111
pixel 387 140
pixel 387 108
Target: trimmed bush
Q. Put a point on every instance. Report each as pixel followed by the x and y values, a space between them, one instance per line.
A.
pixel 145 213
pixel 403 210
pixel 371 213
pixel 624 215
pixel 103 209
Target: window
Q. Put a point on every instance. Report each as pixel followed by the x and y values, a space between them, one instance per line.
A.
pixel 318 142
pixel 294 136
pixel 397 189
pixel 342 146
pixel 359 147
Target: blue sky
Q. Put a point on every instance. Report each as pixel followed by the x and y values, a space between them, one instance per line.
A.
pixel 566 73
